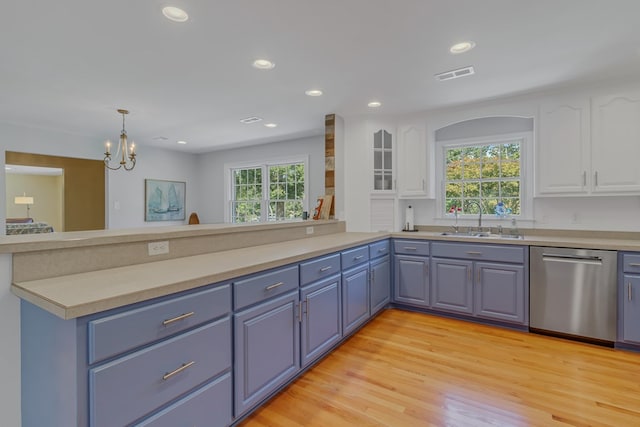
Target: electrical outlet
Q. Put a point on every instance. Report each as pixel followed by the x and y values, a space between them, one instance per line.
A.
pixel 309 230
pixel 158 248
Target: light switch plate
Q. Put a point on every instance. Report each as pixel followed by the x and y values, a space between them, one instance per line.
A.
pixel 309 230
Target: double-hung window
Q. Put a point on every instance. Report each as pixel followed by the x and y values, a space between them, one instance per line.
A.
pixel 267 192
pixel 481 175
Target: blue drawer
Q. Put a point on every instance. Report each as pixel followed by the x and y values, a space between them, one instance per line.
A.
pixel 208 406
pixel 631 263
pixel 411 247
pixel 378 249
pixel 132 386
pixel 264 286
pixel 511 254
pixel 112 335
pixel 319 268
pixel 354 257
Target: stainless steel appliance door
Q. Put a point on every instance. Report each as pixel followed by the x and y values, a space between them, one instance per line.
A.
pixel 573 291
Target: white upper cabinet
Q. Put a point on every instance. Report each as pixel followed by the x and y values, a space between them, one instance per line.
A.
pixel 562 153
pixel 589 148
pixel 383 159
pixel 411 173
pixel 616 143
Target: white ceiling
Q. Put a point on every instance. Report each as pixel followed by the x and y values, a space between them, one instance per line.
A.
pixel 69 64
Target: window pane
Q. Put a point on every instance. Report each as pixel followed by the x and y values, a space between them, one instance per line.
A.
pixel 510 189
pixel 388 184
pixel 377 139
pixel 387 139
pixel 377 160
pixel 471 189
pixel 453 164
pixel 513 204
pixel 511 152
pixel 471 207
pixel 246 212
pixel 387 160
pixel 489 205
pixel 471 169
pixel 450 204
pixel 490 169
pixel 510 169
pixel 490 189
pixel 453 191
pixel 377 180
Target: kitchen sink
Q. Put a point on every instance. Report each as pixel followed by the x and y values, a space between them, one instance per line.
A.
pixel 482 234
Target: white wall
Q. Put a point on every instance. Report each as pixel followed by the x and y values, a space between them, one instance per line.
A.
pixel 607 213
pixel 211 170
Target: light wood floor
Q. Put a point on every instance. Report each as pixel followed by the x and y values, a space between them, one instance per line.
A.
pixel 412 369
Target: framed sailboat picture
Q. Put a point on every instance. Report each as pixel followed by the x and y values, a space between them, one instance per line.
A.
pixel 164 200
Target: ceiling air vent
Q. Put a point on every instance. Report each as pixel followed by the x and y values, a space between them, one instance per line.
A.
pixel 248 120
pixel 454 74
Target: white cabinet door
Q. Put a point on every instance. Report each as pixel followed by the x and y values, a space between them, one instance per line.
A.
pixel 616 143
pixel 412 162
pixel 562 152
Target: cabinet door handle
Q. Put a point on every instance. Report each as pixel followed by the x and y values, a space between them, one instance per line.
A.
pixel 629 294
pixel 306 306
pixel 634 264
pixel 423 185
pixel 178 318
pixel 323 269
pixel 373 276
pixel 356 258
pixel 474 253
pixel 410 248
pixel 275 285
pixel 177 371
pixel 300 312
pixel 584 178
pixel 596 178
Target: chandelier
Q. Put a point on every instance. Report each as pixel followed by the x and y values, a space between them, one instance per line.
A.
pixel 125 153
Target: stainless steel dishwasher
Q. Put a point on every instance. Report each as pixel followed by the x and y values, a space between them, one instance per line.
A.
pixel 573 292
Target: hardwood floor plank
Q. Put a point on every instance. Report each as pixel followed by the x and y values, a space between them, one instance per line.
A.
pixel 413 369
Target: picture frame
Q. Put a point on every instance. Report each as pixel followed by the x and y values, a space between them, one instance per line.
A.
pixel 164 200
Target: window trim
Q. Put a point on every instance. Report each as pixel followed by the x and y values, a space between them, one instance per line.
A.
pixel 264 164
pixel 526 171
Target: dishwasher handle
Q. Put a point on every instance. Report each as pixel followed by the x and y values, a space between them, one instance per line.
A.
pixel 587 259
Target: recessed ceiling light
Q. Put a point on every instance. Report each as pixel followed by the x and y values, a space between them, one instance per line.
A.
pixel 270 125
pixel 462 47
pixel 175 14
pixel 313 92
pixel 374 104
pixel 263 64
pixel 182 142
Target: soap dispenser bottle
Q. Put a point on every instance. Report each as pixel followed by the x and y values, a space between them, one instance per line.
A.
pixel 514 227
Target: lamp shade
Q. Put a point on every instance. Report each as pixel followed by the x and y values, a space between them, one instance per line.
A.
pixel 23 200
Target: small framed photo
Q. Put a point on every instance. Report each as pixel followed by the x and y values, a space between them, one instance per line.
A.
pixel 164 200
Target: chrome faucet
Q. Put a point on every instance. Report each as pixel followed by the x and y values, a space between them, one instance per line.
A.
pixel 473 202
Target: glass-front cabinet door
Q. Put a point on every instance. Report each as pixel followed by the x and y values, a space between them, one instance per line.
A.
pixel 382 160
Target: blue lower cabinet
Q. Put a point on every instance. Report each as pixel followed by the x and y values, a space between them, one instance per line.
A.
pixel 321 324
pixel 128 388
pixel 411 283
pixel 452 285
pixel 500 292
pixel 209 406
pixel 267 349
pixel 380 287
pixel 355 298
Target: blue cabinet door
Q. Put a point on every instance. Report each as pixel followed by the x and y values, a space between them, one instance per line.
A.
pixel 355 298
pixel 411 281
pixel 321 318
pixel 500 292
pixel 267 349
pixel 452 285
pixel 380 284
pixel 630 294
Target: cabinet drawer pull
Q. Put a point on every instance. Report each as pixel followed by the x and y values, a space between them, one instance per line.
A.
pixel 410 248
pixel 382 250
pixel 634 264
pixel 177 371
pixel 323 269
pixel 275 285
pixel 178 318
pixel 474 253
pixel 629 294
pixel 356 258
pixel 584 178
